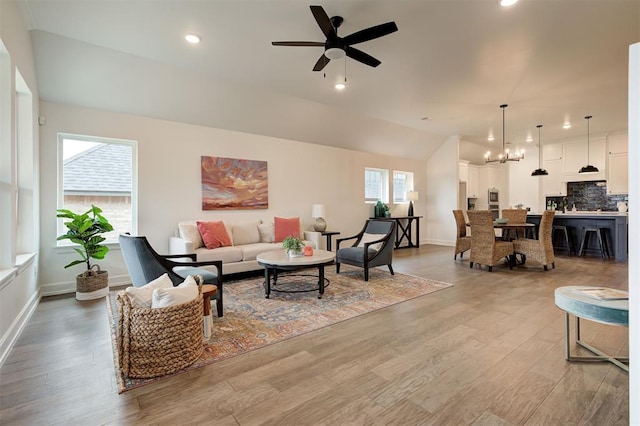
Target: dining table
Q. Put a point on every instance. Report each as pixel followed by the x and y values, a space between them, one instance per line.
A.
pixel 529 228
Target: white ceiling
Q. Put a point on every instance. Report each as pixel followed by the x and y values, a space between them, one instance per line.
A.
pixel 453 61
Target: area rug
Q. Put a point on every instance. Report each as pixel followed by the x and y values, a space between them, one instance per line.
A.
pixel 250 321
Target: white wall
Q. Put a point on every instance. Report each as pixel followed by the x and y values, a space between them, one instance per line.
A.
pixel 634 229
pixel 522 187
pixel 300 174
pixel 442 187
pixel 18 289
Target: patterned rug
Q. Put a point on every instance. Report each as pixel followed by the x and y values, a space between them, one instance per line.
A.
pixel 250 321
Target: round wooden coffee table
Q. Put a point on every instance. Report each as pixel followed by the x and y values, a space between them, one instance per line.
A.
pixel 278 261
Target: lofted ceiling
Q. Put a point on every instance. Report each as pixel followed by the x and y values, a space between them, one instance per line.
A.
pixel 443 74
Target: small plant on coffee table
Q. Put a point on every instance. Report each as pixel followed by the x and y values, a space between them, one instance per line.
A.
pixel 293 245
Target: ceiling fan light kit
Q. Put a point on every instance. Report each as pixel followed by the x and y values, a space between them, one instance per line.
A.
pixel 505 155
pixel 588 169
pixel 336 47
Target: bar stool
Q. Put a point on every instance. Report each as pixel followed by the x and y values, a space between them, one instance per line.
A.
pixel 567 242
pixel 604 248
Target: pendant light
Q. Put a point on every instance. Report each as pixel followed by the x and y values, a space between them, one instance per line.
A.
pixel 588 169
pixel 505 155
pixel 539 171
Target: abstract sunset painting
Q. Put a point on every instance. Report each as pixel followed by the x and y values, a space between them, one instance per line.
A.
pixel 231 183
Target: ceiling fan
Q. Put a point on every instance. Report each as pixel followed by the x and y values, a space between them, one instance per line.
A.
pixel 337 47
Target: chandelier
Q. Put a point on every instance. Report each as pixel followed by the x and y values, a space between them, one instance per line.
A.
pixel 505 155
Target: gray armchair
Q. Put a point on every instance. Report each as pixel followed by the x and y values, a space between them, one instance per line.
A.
pixel 364 251
pixel 145 265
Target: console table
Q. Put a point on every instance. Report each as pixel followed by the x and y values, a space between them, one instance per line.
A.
pixel 404 230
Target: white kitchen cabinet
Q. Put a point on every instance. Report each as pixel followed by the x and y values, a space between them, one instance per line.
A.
pixel 554 184
pixel 618 143
pixel 463 171
pixel 472 182
pixel 618 173
pixel 552 152
pixel 575 157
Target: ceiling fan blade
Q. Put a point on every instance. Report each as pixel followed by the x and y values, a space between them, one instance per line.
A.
pixel 298 43
pixel 322 62
pixel 323 21
pixel 371 33
pixel 360 56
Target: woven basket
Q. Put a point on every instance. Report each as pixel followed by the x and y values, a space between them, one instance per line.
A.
pixel 90 280
pixel 155 342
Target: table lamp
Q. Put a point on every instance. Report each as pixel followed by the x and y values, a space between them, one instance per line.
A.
pixel 318 212
pixel 411 196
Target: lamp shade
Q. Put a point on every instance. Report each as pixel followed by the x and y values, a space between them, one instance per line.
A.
pixel 318 210
pixel 413 195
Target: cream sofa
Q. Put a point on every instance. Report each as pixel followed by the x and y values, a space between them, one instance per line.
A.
pixel 248 239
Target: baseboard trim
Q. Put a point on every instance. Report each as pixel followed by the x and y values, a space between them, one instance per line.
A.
pixel 17 326
pixel 54 289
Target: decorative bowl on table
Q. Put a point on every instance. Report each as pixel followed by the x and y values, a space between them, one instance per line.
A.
pixel 501 220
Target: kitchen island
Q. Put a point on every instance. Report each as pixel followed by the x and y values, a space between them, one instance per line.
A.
pixel 615 222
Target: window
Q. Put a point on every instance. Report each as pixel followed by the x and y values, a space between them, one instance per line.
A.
pixel 376 185
pixel 102 172
pixel 402 183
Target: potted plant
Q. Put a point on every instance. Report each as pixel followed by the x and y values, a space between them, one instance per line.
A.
pixel 85 229
pixel 293 246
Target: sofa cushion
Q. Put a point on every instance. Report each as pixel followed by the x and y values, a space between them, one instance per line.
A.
pixel 185 292
pixel 267 232
pixel 189 231
pixel 225 254
pixel 245 233
pixel 286 227
pixel 214 234
pixel 250 251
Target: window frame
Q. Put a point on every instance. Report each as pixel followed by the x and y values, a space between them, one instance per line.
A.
pixel 60 228
pixel 408 186
pixel 384 183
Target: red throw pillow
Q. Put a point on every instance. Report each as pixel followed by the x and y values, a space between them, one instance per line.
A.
pixel 214 234
pixel 286 227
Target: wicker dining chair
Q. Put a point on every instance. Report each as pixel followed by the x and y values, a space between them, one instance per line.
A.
pixel 485 250
pixel 515 216
pixel 541 249
pixel 463 241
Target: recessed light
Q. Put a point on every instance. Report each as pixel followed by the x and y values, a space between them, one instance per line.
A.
pixel 508 2
pixel 491 138
pixel 192 38
pixel 529 138
pixel 340 86
pixel 566 125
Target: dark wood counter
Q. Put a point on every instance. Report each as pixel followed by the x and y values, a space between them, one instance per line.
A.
pixel 616 223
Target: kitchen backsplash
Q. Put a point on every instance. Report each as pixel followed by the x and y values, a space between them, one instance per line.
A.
pixel 589 196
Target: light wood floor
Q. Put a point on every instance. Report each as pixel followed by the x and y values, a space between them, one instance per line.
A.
pixel 487 351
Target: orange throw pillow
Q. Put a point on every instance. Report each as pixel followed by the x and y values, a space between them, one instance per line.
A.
pixel 285 227
pixel 214 234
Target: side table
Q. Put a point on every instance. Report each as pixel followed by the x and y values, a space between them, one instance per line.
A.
pixel 329 234
pixel 208 290
pixel 612 312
